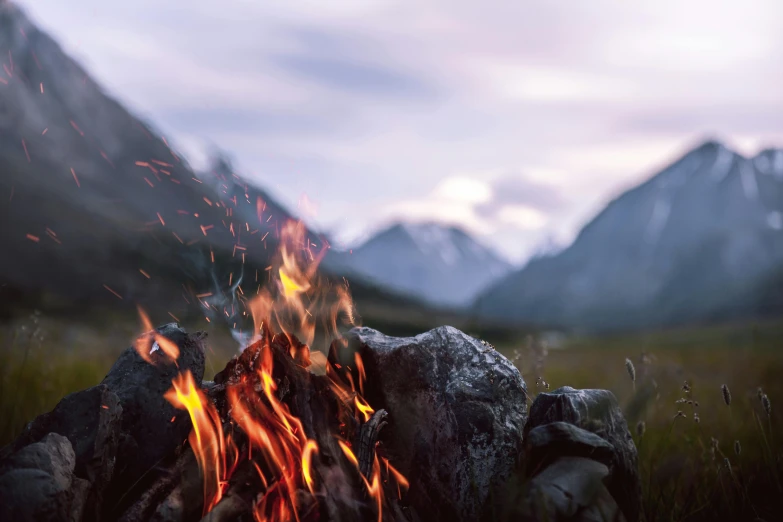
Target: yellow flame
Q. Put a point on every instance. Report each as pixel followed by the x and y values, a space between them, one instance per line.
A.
pixel 348 453
pixel 363 407
pixel 206 438
pixel 310 448
pixel 292 306
pixel 290 288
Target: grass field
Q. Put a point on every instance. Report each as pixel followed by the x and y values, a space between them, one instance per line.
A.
pixel 690 468
pixel 689 464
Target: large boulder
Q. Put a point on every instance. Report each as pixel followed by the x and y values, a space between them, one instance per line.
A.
pixel 597 412
pixel 457 409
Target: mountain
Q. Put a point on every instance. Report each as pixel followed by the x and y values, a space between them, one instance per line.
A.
pixel 699 241
pixel 441 264
pixel 96 208
pixel 89 188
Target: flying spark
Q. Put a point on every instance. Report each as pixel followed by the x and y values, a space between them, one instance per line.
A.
pixel 112 291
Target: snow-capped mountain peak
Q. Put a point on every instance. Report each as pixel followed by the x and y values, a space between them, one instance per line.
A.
pixel 436 262
pixel 687 244
pixel 433 239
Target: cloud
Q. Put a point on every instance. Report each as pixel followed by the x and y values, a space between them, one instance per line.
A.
pixel 521 216
pixel 433 110
pixel 750 117
pixel 463 189
pixel 550 85
pixel 509 205
pixel 521 191
pixel 355 77
pixel 259 122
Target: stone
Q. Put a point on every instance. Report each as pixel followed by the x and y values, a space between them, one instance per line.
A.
pixel 559 439
pixel 90 419
pixel 456 408
pixel 151 427
pixel 596 411
pixel 36 482
pixel 571 488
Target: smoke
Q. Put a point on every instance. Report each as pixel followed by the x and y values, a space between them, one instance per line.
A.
pixel 226 303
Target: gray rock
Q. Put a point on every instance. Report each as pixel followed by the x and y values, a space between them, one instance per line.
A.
pixel 83 505
pixel 456 410
pixel 36 482
pixel 90 419
pixel 148 434
pixel 122 428
pixel 559 439
pixel 53 455
pixel 596 411
pixel 571 488
pixel 172 509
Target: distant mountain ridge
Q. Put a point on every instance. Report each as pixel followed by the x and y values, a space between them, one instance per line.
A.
pixel 693 243
pixel 438 263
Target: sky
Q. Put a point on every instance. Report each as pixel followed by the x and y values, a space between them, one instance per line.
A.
pixel 517 120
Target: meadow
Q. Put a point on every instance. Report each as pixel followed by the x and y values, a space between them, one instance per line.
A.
pixel 700 458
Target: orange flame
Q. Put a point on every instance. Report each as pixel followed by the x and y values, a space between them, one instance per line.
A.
pixel 298 297
pixel 373 486
pixel 307 455
pixel 364 408
pixel 144 343
pixel 206 439
pixel 305 310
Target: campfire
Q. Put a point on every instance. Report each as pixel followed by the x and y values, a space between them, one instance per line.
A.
pixel 270 433
pixel 319 420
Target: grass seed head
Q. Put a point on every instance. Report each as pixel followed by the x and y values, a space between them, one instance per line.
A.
pixel 726 394
pixel 630 369
pixel 640 428
pixel 767 406
pixel 760 393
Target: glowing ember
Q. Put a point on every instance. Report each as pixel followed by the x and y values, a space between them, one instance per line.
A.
pixel 112 291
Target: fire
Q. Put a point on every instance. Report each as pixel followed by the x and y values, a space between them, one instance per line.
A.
pixel 206 439
pixel 364 408
pixel 295 311
pixel 307 455
pixel 146 343
pixel 290 288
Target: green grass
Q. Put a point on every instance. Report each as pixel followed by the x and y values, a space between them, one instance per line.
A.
pixel 44 358
pixel 682 480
